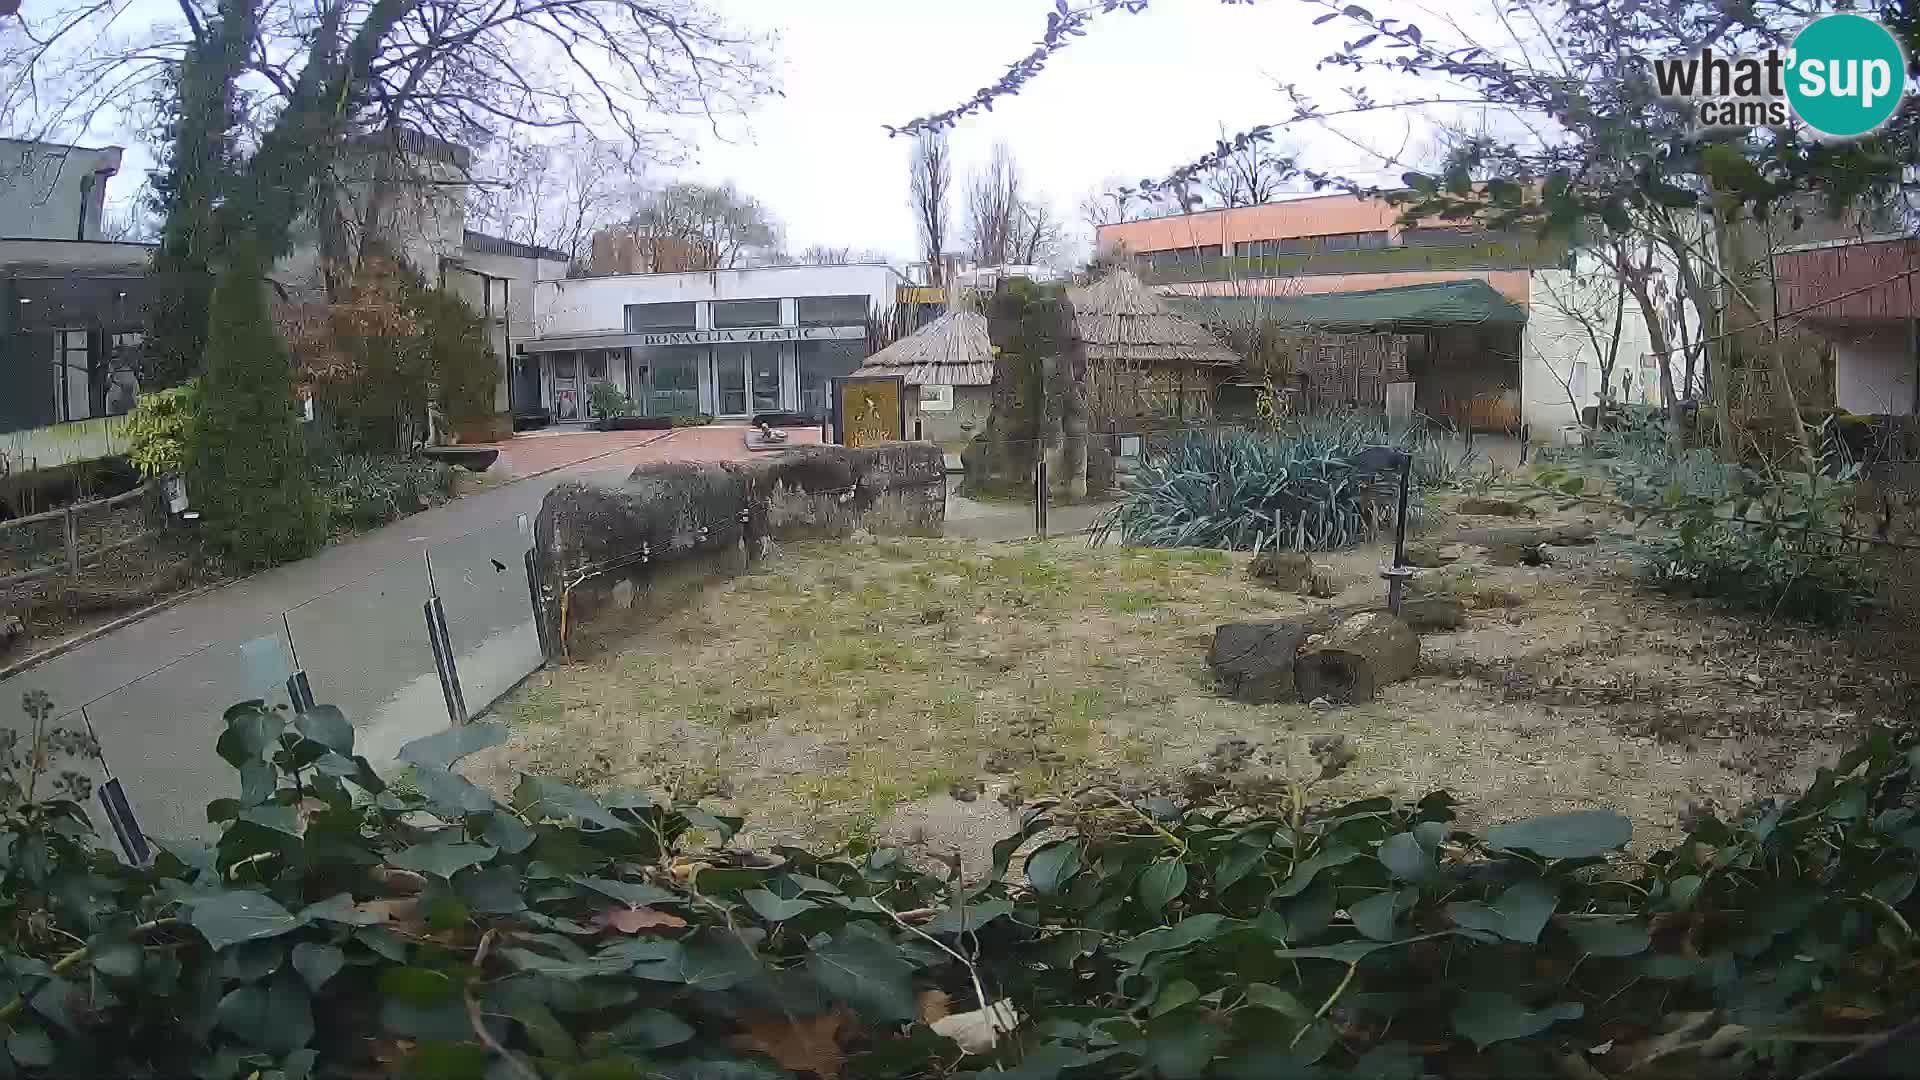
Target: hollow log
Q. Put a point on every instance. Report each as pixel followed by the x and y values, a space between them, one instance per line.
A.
pixel 1357 657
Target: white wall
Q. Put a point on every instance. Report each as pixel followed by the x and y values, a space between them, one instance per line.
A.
pixel 510 315
pixel 598 304
pixel 1874 370
pixel 45 188
pixel 94 255
pixel 1557 350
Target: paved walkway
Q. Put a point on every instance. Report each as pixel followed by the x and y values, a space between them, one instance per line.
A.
pixel 357 618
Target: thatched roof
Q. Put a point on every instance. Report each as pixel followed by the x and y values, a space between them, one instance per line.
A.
pixel 952 349
pixel 1118 318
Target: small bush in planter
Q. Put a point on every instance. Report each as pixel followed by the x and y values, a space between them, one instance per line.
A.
pixel 608 402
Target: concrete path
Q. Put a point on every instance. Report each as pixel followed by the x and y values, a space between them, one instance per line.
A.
pixel 357 626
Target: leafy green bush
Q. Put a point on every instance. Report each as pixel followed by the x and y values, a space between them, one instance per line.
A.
pixel 606 400
pixel 339 926
pixel 363 492
pixel 1766 540
pixel 158 430
pixel 1294 489
pixel 246 464
pixel 693 420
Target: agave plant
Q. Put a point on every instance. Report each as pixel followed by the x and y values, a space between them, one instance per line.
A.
pixel 1295 489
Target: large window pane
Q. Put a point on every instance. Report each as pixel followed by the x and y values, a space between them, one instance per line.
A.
pixel 765 368
pixel 673 378
pixel 833 310
pixel 819 363
pixel 737 314
pixel 730 378
pixel 659 318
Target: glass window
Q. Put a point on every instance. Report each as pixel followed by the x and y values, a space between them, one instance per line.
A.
pixel 736 314
pixel 70 375
pixel 564 365
pixel 659 318
pixel 730 378
pixel 674 379
pixel 765 367
pixel 597 365
pixel 833 310
pixel 819 363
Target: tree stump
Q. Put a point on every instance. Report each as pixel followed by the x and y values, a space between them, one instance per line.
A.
pixel 1433 612
pixel 1358 657
pixel 1254 661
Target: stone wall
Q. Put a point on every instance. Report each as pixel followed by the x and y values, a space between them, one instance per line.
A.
pixel 642 542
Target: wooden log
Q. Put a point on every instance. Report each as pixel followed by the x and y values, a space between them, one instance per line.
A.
pixel 1253 661
pixel 1356 658
pixel 1433 612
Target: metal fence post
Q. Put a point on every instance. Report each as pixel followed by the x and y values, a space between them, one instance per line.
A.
pixel 1040 495
pixel 535 604
pixel 70 527
pixel 114 803
pixel 443 660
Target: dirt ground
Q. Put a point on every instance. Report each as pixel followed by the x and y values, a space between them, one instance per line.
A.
pixel 917 689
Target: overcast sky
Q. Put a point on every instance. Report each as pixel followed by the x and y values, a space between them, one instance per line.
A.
pixel 1138 96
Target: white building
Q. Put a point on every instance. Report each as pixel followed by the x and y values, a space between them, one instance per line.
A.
pixel 51 191
pixel 727 343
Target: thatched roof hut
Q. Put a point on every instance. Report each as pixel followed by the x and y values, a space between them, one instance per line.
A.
pixel 952 350
pixel 1119 319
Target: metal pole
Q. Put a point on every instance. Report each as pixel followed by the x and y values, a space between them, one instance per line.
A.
pixel 1040 495
pixel 70 528
pixel 443 661
pixel 119 811
pixel 1397 578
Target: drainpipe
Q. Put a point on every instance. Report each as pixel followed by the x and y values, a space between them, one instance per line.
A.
pixel 86 188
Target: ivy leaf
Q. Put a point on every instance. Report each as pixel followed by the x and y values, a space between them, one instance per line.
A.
pixel 317 963
pixel 231 917
pixel 1518 915
pixel 1278 1000
pixel 30 1047
pixel 630 893
pixel 252 729
pixel 1164 880
pixel 504 831
pixel 327 726
pixel 545 1030
pixel 1303 874
pixel 1488 1017
pixel 866 971
pixel 435 1059
pixel 1173 995
pixel 1582 834
pixel 956 920
pixel 438 751
pixel 773 908
pixel 549 798
pixel 1049 867
pixel 1347 952
pixel 651 1029
pixel 1406 858
pixel 452 794
pixel 443 856
pixel 340 908
pixel 494 890
pixel 634 920
pixel 1181 1050
pixel 1376 915
pixel 119 959
pixel 713 959
pixel 277 1017
pixel 1608 937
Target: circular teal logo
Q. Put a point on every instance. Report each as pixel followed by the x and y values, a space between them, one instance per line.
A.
pixel 1846 76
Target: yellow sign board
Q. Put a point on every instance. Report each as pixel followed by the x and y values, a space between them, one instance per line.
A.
pixel 869 410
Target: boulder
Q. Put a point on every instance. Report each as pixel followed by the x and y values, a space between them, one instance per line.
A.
pixel 1356 658
pixel 1254 661
pixel 1428 556
pixel 827 491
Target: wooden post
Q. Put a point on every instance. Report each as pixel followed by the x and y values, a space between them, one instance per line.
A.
pixel 71 522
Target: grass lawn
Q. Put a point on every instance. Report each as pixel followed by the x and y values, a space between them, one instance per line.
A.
pixel 894 689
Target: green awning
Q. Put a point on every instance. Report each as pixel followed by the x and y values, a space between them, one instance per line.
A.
pixel 1405 308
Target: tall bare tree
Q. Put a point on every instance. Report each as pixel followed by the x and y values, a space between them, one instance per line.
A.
pixel 553 195
pixel 1247 174
pixel 931 176
pixel 719 227
pixel 1003 224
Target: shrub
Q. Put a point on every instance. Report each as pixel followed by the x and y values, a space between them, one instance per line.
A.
pixel 693 420
pixel 339 926
pixel 246 464
pixel 364 492
pixel 158 430
pixel 606 400
pixel 1768 540
pixel 1295 489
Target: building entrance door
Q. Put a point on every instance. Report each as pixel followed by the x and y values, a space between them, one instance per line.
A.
pixel 746 378
pixel 566 386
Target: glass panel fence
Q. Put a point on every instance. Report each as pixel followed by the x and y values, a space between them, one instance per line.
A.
pixel 157 733
pixel 365 650
pixel 482 580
